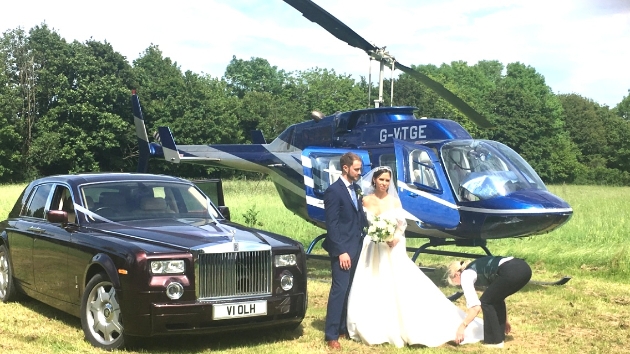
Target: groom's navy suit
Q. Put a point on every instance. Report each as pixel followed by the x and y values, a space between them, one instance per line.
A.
pixel 344 226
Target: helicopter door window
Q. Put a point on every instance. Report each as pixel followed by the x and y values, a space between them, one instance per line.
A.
pixel 326 171
pixel 422 169
pixel 334 172
pixel 365 119
pixel 390 161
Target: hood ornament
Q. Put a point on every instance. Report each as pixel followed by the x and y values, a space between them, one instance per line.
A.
pixel 233 232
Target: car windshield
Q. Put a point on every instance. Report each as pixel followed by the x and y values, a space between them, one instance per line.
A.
pixel 483 169
pixel 140 200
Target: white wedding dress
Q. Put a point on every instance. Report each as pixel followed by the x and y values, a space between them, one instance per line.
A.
pixel 393 301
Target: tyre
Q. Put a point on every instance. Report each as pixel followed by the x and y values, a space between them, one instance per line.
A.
pixel 8 291
pixel 101 318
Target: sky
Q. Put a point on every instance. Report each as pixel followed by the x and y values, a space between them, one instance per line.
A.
pixel 579 46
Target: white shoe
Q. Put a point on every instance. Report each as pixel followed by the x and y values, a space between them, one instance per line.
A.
pixel 497 345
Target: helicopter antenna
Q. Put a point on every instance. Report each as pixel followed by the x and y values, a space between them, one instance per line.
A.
pixel 391 82
pixel 369 82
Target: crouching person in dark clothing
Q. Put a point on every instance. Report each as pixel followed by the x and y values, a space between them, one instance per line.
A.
pixel 503 276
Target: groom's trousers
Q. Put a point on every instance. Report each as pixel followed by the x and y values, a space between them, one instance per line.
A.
pixel 513 275
pixel 338 298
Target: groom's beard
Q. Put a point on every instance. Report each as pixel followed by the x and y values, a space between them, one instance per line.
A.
pixel 351 179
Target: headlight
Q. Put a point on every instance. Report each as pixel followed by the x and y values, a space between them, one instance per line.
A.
pixel 285 260
pixel 286 280
pixel 174 290
pixel 168 267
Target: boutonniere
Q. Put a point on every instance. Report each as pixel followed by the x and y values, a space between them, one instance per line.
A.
pixel 358 190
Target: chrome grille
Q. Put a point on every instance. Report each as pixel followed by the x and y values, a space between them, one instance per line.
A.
pixel 234 274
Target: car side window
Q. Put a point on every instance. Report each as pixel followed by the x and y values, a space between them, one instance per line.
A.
pixel 37 204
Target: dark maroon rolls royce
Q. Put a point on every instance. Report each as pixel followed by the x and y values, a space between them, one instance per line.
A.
pixel 146 255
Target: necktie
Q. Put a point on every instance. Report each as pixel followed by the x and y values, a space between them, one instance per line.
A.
pixel 353 194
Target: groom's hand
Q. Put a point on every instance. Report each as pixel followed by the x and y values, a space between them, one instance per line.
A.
pixel 344 261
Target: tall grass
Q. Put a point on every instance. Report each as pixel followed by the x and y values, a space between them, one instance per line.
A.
pixel 262 197
pixel 594 242
pixel 588 315
pixel 8 195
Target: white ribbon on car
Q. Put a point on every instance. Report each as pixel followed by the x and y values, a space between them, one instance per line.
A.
pixel 92 214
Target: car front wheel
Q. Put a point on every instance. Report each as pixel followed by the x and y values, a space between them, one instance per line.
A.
pixel 101 318
pixel 8 292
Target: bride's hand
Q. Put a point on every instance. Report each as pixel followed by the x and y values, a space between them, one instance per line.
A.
pixel 392 243
pixel 459 336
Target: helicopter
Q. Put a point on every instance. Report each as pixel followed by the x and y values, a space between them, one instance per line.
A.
pixel 455 190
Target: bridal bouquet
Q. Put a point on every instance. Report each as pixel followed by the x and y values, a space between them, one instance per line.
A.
pixel 381 229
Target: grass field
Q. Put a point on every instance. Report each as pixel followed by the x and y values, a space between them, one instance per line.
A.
pixel 591 314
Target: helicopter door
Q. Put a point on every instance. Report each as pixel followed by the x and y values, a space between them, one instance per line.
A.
pixel 321 169
pixel 423 187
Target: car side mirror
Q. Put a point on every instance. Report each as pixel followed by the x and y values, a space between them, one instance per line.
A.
pixel 225 211
pixel 57 216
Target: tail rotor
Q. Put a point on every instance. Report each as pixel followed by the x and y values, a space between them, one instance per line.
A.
pixel 144 146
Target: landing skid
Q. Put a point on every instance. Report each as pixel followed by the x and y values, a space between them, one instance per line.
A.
pixel 312 245
pixel 561 281
pixel 434 242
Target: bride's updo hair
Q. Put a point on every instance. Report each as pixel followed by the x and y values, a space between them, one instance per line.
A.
pixel 453 268
pixel 378 172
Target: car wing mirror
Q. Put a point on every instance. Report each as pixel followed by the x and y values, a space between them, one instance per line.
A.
pixel 57 216
pixel 225 211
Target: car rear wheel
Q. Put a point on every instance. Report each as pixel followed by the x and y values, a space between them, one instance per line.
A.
pixel 8 291
pixel 101 317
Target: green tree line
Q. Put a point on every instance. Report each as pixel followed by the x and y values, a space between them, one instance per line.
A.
pixel 65 108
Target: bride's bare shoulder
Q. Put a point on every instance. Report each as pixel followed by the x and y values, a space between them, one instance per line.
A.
pixel 368 198
pixel 392 202
pixel 395 203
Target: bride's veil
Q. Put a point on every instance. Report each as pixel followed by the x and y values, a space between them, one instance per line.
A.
pixel 368 188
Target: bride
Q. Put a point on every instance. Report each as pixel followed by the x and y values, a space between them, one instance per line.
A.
pixel 391 300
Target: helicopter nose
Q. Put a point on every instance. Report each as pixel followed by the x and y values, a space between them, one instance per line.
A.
pixel 525 213
pixel 529 199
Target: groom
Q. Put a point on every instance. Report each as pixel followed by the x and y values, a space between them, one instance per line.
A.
pixel 345 220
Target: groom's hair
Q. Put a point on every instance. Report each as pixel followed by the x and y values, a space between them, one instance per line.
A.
pixel 348 159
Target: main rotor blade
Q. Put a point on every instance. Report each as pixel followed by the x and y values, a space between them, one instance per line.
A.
pixel 330 23
pixel 316 14
pixel 446 95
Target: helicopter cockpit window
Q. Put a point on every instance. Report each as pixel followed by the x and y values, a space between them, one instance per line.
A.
pixel 479 169
pixel 522 165
pixel 421 169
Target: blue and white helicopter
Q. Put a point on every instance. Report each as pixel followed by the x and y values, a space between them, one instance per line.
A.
pixel 456 190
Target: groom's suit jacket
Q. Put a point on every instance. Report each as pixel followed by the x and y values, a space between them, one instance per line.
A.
pixel 344 223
